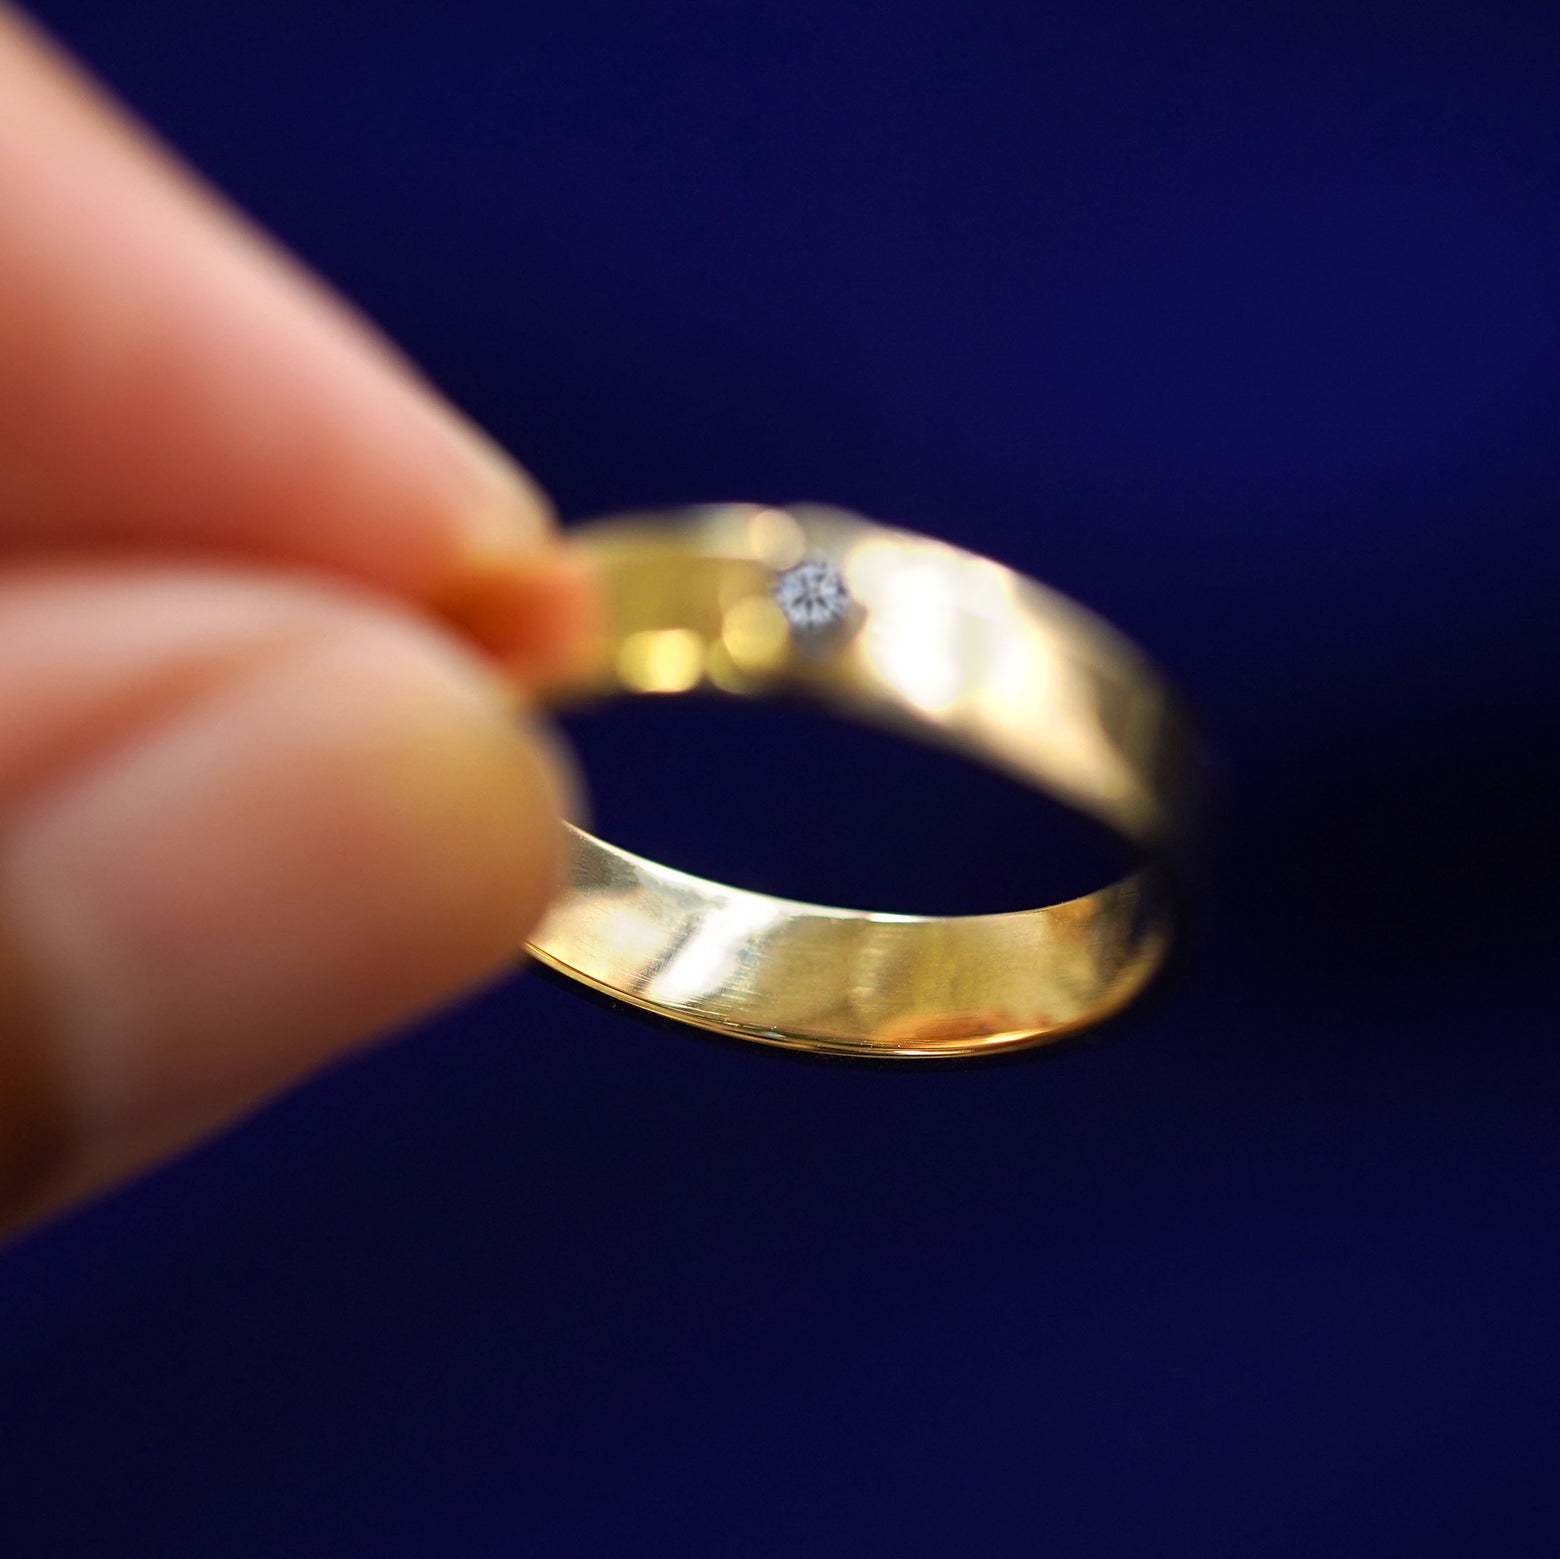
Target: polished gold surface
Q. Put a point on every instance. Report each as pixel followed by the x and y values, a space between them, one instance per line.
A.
pixel 902 630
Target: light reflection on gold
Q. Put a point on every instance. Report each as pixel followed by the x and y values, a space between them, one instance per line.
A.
pixel 661 660
pixel 755 634
pixel 869 564
pixel 913 633
pixel 775 539
pixel 1032 701
pixel 711 955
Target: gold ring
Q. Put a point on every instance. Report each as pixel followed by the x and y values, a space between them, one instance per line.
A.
pixel 902 630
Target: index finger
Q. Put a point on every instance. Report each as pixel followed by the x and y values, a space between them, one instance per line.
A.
pixel 168 377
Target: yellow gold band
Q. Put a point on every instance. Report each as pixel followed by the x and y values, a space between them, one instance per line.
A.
pixel 898 629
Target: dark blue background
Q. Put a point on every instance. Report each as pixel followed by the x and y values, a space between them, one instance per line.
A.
pixel 1238 321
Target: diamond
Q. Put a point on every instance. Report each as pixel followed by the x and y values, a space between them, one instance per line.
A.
pixel 812 596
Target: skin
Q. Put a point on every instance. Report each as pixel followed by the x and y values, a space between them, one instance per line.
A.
pixel 269 614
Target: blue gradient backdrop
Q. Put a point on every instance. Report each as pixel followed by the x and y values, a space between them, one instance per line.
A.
pixel 1240 322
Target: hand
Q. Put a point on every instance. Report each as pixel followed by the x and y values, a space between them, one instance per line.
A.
pixel 262 788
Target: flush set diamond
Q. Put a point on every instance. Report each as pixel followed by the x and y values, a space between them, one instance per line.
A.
pixel 812 596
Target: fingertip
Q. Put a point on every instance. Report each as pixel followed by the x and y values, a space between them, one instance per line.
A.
pixel 538 616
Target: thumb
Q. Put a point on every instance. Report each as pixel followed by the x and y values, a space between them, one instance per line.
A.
pixel 244 822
